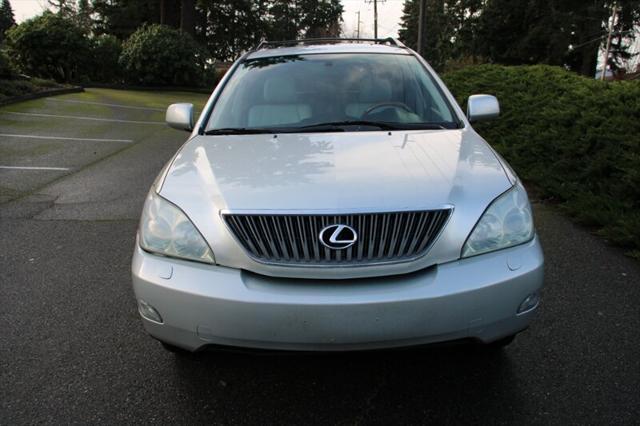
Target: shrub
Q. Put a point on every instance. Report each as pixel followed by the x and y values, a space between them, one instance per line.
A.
pixel 576 139
pixel 105 52
pixel 48 46
pixel 157 55
pixel 212 76
pixel 18 87
pixel 6 70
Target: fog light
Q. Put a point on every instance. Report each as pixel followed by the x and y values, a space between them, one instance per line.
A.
pixel 149 312
pixel 529 303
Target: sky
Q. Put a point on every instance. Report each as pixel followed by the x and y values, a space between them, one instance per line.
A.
pixel 25 9
pixel 389 13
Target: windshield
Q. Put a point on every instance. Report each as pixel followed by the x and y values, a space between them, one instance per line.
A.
pixel 323 92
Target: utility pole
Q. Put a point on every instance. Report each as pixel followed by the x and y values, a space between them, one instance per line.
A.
pixel 375 19
pixel 375 16
pixel 608 49
pixel 420 26
pixel 358 30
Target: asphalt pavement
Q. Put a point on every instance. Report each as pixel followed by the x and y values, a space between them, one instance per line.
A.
pixel 73 350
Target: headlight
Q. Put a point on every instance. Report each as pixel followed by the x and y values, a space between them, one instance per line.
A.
pixel 166 230
pixel 506 223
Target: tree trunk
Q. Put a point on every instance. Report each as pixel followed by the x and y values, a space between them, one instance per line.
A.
pixel 592 25
pixel 188 17
pixel 170 13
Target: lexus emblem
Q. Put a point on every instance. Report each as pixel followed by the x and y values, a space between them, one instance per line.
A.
pixel 338 237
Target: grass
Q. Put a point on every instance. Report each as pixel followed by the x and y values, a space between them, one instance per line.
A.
pixel 144 98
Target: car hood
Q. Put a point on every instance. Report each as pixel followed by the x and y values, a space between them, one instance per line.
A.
pixel 356 171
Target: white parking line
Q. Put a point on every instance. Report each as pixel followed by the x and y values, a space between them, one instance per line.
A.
pixel 62 138
pixel 33 168
pixel 105 104
pixel 76 117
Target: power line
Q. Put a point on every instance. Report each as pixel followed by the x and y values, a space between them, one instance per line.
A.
pixel 615 33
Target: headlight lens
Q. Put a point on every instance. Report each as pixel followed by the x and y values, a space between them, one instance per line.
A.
pixel 164 229
pixel 506 223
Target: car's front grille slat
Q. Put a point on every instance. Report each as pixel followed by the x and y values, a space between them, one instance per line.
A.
pixel 293 239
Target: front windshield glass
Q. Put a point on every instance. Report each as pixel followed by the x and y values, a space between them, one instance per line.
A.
pixel 349 91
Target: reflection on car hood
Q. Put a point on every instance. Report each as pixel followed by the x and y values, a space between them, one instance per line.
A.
pixel 359 171
pixel 331 172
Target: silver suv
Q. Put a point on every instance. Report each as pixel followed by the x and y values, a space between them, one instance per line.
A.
pixel 333 196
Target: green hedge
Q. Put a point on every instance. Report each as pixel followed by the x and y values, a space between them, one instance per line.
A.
pixel 576 139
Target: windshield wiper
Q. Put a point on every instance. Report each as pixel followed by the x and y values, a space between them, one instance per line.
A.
pixel 383 125
pixel 338 125
pixel 332 126
pixel 240 131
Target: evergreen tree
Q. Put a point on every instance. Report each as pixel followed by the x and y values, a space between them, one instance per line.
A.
pixel 122 18
pixel 7 19
pixel 437 37
pixel 408 32
pixel 65 8
pixel 464 18
pixel 285 20
pixel 320 18
pixel 524 32
pixel 231 27
pixel 623 36
pixel 557 32
pixel 83 15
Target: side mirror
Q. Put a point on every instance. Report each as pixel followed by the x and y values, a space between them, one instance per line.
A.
pixel 180 116
pixel 482 107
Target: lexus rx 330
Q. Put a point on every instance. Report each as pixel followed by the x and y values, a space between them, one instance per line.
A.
pixel 333 196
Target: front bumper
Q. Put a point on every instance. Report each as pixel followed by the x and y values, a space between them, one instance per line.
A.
pixel 474 298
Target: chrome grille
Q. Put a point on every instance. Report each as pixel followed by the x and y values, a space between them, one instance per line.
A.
pixel 294 239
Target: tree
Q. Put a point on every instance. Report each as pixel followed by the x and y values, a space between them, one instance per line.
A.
pixel 122 18
pixel 7 19
pixel 437 34
pixel 170 13
pixel 49 46
pixel 320 18
pixel 523 32
pixel 104 52
pixel 623 36
pixel 157 55
pixel 83 15
pixel 64 8
pixel 408 32
pixel 558 32
pixel 284 22
pixel 188 17
pixel 464 18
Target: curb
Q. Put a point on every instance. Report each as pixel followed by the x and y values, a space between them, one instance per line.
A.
pixel 43 94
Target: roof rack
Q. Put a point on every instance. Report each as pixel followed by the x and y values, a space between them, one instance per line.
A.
pixel 287 43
